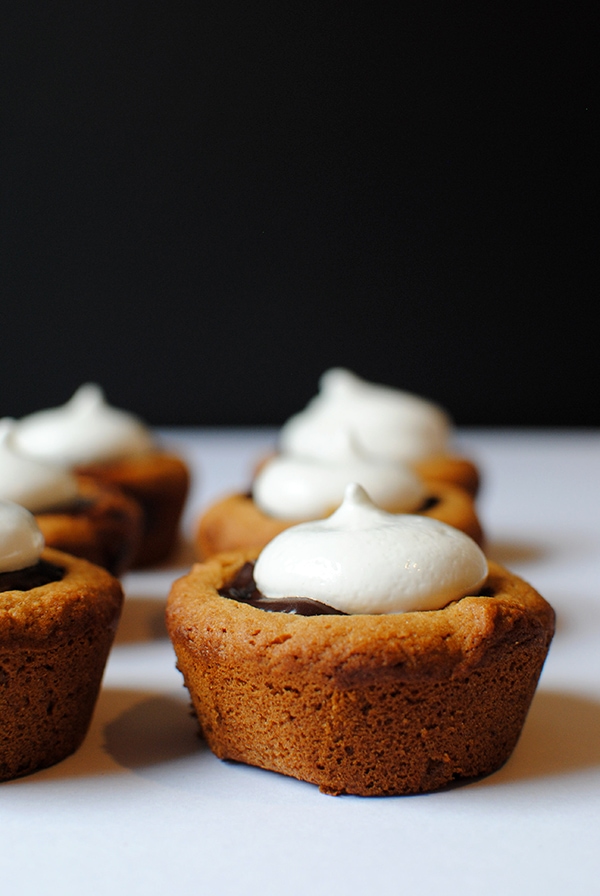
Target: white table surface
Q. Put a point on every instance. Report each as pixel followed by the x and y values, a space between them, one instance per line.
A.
pixel 144 807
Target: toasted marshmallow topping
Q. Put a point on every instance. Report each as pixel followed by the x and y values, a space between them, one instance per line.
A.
pixel 289 487
pixel 364 560
pixel 84 430
pixel 21 541
pixel 386 422
pixel 36 485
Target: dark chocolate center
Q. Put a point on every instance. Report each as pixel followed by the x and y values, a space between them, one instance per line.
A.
pixel 243 588
pixel 428 504
pixel 76 507
pixel 31 577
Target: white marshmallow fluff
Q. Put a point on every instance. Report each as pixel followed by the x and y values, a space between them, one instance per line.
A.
pixel 365 560
pixel 292 487
pixel 384 421
pixel 21 542
pixel 34 484
pixel 84 430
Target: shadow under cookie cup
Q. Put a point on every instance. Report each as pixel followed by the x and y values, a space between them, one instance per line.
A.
pixel 54 643
pixel 366 705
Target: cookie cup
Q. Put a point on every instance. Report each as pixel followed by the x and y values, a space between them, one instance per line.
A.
pixel 54 643
pixel 104 526
pixel 236 522
pixel 366 705
pixel 159 482
pixel 447 469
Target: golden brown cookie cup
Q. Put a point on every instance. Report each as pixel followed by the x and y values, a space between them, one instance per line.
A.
pixel 103 526
pixel 159 482
pixel 54 642
pixel 366 705
pixel 236 522
pixel 446 469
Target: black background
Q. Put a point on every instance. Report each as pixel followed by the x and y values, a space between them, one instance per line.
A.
pixel 204 205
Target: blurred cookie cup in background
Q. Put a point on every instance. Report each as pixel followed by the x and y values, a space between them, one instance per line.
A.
pixel 386 422
pixel 76 514
pixel 290 488
pixel 113 447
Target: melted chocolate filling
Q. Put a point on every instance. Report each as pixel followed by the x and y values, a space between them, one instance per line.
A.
pixel 428 503
pixel 74 508
pixel 243 588
pixel 31 577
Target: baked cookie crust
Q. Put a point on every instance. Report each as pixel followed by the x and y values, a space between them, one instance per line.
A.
pixel 105 529
pixel 159 482
pixel 54 643
pixel 365 705
pixel 450 470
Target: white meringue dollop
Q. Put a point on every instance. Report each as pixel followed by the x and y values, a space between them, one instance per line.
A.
pixel 385 422
pixel 36 485
pixel 21 542
pixel 84 430
pixel 365 560
pixel 291 487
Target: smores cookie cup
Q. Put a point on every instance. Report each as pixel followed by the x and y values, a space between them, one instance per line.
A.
pixel 289 489
pixel 416 667
pixel 387 422
pixel 58 617
pixel 112 447
pixel 75 514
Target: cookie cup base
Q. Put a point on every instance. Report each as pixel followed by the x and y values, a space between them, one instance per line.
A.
pixel 54 643
pixel 365 705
